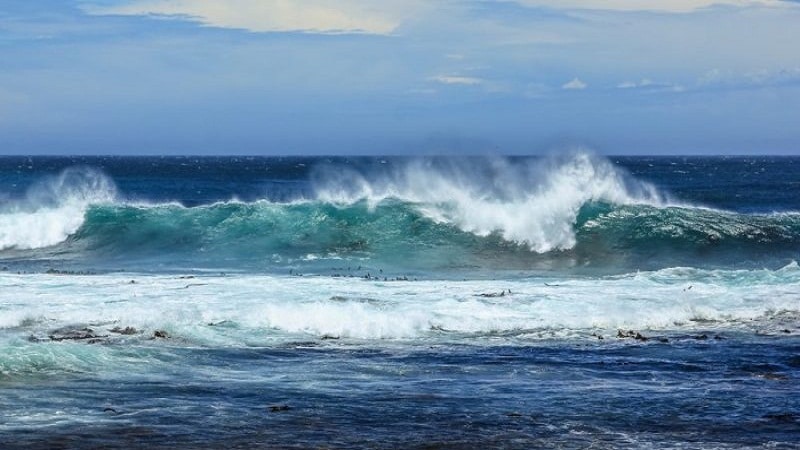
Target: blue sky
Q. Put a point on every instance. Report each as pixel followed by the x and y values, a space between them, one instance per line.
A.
pixel 395 77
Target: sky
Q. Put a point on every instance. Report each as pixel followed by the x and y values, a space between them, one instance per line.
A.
pixel 286 77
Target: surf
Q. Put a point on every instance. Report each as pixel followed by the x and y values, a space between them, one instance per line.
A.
pixel 572 210
pixel 53 208
pixel 533 202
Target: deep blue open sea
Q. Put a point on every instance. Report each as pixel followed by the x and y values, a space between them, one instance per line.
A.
pixel 565 301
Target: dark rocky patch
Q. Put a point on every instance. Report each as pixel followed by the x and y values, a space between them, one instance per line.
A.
pixel 52 271
pixel 125 331
pixel 75 334
pixel 632 334
pixel 160 334
pixel 494 294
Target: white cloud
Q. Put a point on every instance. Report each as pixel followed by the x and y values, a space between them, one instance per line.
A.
pixel 647 5
pixel 574 84
pixel 650 85
pixel 310 16
pixel 452 79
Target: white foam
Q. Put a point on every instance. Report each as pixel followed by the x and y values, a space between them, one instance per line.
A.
pixel 53 209
pixel 534 202
pixel 257 310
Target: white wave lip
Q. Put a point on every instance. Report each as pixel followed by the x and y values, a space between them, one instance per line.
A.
pixel 531 202
pixel 53 209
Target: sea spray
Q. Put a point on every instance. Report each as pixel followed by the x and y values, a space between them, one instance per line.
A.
pixel 534 202
pixel 53 208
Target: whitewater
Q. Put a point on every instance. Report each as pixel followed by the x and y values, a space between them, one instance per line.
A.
pixel 503 301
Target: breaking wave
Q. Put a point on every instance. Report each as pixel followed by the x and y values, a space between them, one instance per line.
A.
pixel 466 211
pixel 53 209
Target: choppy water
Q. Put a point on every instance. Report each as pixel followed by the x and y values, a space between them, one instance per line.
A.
pixel 558 302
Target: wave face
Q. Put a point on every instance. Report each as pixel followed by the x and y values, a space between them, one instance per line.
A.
pixel 402 232
pixel 572 211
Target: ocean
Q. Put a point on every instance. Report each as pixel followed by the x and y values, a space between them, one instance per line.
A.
pixel 562 301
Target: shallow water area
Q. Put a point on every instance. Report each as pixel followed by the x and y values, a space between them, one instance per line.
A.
pixel 277 361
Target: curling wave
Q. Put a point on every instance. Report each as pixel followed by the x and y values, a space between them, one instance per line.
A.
pixel 425 213
pixel 53 209
pixel 395 230
pixel 534 203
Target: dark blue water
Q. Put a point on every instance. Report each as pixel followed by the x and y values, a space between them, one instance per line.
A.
pixel 736 183
pixel 689 394
pixel 560 302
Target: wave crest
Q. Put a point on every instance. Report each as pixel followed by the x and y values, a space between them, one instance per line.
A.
pixel 576 210
pixel 533 202
pixel 53 209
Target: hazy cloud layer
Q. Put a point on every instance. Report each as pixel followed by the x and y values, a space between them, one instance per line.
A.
pixel 313 16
